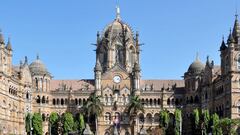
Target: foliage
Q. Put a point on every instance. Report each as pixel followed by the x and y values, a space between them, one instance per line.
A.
pixel 196 118
pixel 178 121
pixel 53 119
pixel 37 124
pixel 135 106
pixel 216 130
pixel 228 125
pixel 93 106
pixel 68 123
pixel 164 120
pixel 28 123
pixel 81 126
pixel 206 120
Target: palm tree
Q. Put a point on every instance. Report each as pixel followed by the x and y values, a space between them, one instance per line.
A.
pixel 94 107
pixel 133 108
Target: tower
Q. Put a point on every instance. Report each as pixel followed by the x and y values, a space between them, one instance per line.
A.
pixel 230 67
pixel 117 71
pixel 117 57
pixel 5 56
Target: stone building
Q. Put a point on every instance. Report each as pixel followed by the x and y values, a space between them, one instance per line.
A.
pixel 31 87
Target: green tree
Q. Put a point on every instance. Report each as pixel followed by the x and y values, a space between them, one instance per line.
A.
pixel 134 106
pixel 54 119
pixel 81 126
pixel 28 123
pixel 216 129
pixel 94 107
pixel 68 123
pixel 196 119
pixel 37 124
pixel 228 126
pixel 178 122
pixel 206 120
pixel 164 120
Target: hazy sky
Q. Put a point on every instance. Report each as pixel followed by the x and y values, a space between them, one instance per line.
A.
pixel 62 31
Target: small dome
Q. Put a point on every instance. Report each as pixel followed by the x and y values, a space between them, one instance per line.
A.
pixel 37 67
pixel 196 67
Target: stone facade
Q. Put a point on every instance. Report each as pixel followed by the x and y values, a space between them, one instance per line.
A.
pixel 31 88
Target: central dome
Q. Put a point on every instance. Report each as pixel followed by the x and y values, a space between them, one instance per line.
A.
pixel 117 28
pixel 196 67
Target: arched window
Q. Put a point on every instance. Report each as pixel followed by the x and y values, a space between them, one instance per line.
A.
pixel 168 101
pixel 159 101
pixel 155 102
pixel 57 101
pixel 76 101
pixel 156 118
pixel 62 102
pixel 54 101
pixel 141 118
pixel 36 83
pixel 108 117
pixel 238 62
pixel 43 100
pixel 151 102
pixel 38 99
pixel 27 95
pixel 149 118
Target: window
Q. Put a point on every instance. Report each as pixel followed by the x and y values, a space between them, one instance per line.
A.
pixel 238 62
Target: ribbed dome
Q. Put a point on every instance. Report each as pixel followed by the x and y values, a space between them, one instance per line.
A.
pixel 116 28
pixel 196 67
pixel 37 67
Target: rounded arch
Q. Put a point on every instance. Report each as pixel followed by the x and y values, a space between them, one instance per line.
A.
pixel 156 118
pixel 149 118
pixel 62 101
pixel 141 118
pixel 54 101
pixel 168 101
pixel 38 99
pixel 151 102
pixel 43 100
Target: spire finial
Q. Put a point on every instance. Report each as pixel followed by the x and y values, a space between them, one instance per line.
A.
pixel 37 56
pixel 236 12
pixel 118 11
pixel 26 60
pixel 197 57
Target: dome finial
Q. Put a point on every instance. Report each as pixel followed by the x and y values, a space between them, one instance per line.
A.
pixel 197 57
pixel 118 11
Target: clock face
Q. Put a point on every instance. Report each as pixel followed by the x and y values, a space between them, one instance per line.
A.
pixel 117 79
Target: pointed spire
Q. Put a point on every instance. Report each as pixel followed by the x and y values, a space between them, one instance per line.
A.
pixel 98 66
pixel 118 17
pixel 137 42
pixel 208 61
pixel 230 37
pixel 223 45
pixel 9 45
pixel 236 28
pixel 25 60
pixel 1 37
pixel 98 37
pixel 21 64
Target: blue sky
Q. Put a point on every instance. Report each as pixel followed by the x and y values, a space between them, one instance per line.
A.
pixel 62 31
